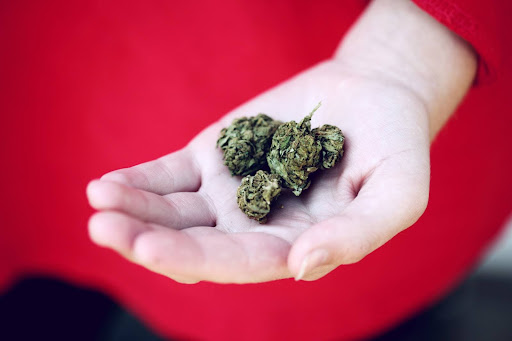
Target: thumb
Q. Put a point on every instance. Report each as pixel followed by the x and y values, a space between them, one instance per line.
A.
pixel 392 198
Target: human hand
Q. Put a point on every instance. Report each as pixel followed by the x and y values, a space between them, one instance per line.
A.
pixel 178 215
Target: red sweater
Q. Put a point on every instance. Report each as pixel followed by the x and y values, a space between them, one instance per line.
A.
pixel 81 78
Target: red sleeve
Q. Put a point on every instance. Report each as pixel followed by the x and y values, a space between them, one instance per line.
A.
pixel 479 23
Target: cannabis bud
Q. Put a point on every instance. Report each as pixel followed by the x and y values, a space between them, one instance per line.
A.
pixel 295 153
pixel 256 194
pixel 291 151
pixel 245 143
pixel 331 138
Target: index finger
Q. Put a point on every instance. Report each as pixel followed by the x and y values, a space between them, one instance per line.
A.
pixel 175 172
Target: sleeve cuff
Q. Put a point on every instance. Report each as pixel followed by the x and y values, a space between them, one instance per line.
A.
pixel 472 27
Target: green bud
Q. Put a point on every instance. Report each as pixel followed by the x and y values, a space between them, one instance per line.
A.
pixel 295 153
pixel 256 194
pixel 331 138
pixel 246 142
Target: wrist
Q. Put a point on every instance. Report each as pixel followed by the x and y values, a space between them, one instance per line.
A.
pixel 397 42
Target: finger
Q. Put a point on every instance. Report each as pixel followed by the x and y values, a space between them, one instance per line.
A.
pixel 176 210
pixel 392 199
pixel 118 232
pixel 115 230
pixel 176 172
pixel 204 253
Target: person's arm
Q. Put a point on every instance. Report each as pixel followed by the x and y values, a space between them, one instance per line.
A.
pixel 397 39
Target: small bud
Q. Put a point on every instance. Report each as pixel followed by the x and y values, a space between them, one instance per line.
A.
pixel 331 138
pixel 295 153
pixel 246 142
pixel 256 194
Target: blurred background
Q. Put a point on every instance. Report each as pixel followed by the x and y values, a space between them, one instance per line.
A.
pixel 91 86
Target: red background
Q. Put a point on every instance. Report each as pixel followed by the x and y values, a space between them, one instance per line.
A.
pixel 91 86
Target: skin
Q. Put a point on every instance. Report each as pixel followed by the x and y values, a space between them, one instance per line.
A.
pixel 392 84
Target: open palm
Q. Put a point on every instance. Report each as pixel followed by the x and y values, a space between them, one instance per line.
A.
pixel 178 215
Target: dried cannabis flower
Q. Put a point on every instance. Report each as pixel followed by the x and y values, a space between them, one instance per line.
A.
pixel 331 138
pixel 292 150
pixel 256 194
pixel 246 142
pixel 295 153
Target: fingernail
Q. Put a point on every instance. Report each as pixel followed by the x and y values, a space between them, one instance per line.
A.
pixel 313 260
